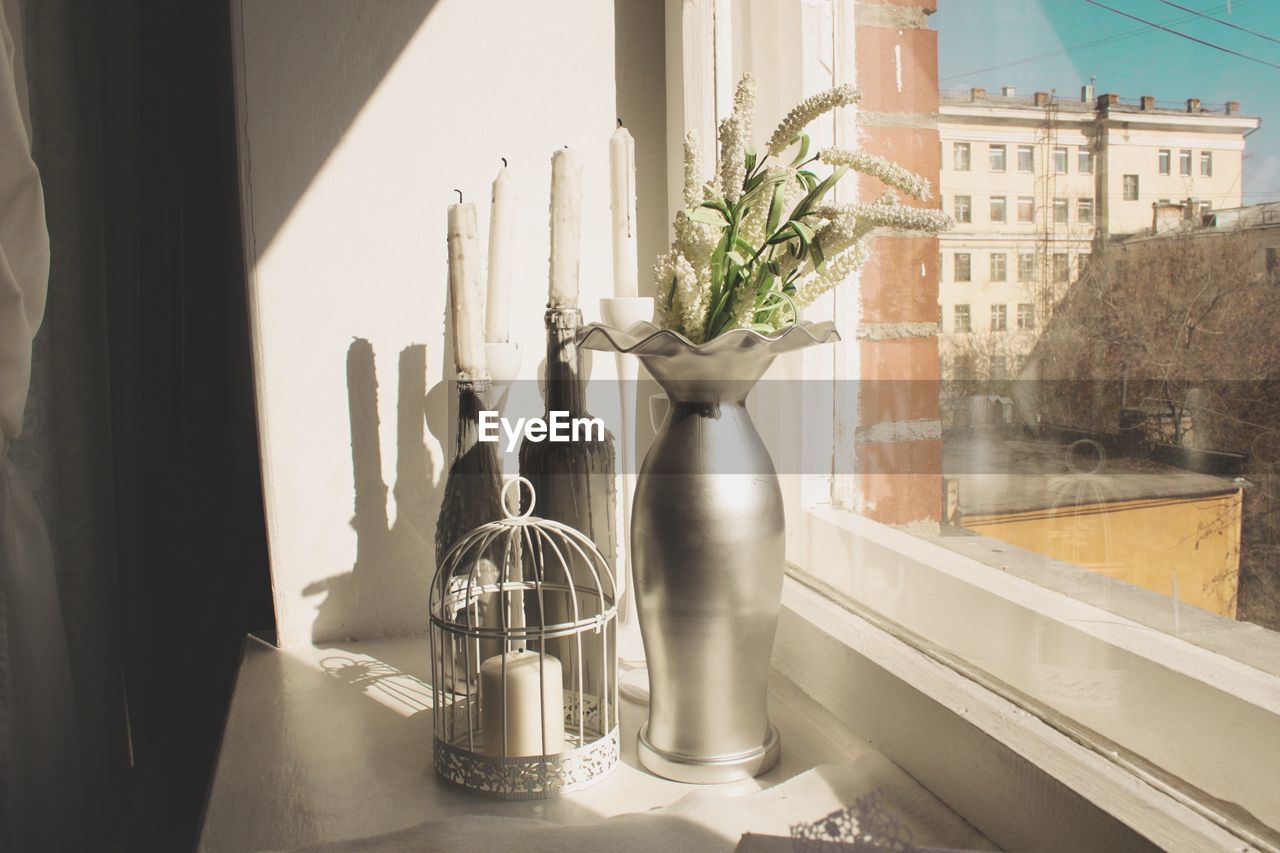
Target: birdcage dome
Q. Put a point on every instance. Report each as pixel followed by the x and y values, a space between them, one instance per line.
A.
pixel 524 658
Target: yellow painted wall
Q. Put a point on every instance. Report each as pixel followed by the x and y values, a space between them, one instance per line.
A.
pixel 1142 542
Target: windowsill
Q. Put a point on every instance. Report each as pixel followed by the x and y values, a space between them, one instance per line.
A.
pixel 1244 642
pixel 333 742
pixel 1185 723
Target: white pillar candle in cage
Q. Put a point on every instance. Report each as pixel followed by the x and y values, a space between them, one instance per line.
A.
pixel 522 693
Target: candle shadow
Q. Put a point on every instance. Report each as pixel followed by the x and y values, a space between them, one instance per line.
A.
pixel 385 593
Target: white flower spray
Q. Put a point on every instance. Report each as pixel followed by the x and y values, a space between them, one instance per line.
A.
pixel 803 113
pixel 735 134
pixel 756 243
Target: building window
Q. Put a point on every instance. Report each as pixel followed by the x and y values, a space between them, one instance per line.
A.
pixel 1130 187
pixel 1060 211
pixel 1084 162
pixel 1060 160
pixel 1082 261
pixel 1026 208
pixel 1026 158
pixel 1026 266
pixel 960 156
pixel 1206 209
pixel 1206 164
pixel 1000 365
pixel 1084 211
pixel 1184 162
pixel 996 154
pixel 999 266
pixel 1061 267
pixel 962 322
pixel 1026 316
pixel 964 208
pixel 962 266
pixel 999 212
pixel 999 318
pixel 1166 161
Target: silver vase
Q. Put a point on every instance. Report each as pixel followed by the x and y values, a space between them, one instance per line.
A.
pixel 708 550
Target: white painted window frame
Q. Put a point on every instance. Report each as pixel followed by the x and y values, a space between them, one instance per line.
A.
pixel 953 603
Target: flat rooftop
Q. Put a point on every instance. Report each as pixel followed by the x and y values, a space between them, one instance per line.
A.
pixel 1076 105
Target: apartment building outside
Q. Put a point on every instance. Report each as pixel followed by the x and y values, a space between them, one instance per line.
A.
pixel 1036 183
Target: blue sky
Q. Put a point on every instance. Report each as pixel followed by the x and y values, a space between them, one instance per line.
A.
pixel 984 43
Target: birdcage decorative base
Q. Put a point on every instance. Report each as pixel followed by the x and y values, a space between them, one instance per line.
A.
pixel 528 777
pixel 511 719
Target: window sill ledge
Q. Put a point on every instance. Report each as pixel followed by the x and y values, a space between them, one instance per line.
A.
pixel 1159 691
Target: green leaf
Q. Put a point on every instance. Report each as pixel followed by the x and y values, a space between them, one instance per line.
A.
pixel 815 195
pixel 803 152
pixel 818 256
pixel 775 208
pixel 804 232
pixel 708 215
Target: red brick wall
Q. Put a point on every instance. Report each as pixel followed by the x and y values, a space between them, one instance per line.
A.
pixel 899 449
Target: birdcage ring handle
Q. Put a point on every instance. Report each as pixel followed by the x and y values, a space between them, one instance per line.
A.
pixel 506 505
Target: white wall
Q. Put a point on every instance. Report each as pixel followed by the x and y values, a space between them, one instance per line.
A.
pixel 357 121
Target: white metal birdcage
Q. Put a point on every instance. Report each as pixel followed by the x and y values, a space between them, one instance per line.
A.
pixel 524 659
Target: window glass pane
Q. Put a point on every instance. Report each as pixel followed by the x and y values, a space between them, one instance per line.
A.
pixel 999 261
pixel 999 318
pixel 1026 266
pixel 1165 161
pixel 1060 211
pixel 1060 160
pixel 962 266
pixel 1026 158
pixel 1206 164
pixel 998 205
pixel 1130 187
pixel 1026 208
pixel 1026 316
pixel 963 208
pixel 1085 164
pixel 961 318
pixel 1084 211
pixel 961 157
pixel 997 153
pixel 1184 161
pixel 1061 266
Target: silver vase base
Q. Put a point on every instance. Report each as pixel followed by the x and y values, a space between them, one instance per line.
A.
pixel 709 770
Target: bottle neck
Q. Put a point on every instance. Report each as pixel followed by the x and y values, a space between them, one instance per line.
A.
pixel 566 390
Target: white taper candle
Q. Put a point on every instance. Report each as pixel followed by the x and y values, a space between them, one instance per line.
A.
pixel 466 290
pixel 622 186
pixel 566 227
pixel 497 326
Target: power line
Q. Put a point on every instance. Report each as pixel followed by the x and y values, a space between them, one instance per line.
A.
pixel 1083 45
pixel 1200 41
pixel 1220 21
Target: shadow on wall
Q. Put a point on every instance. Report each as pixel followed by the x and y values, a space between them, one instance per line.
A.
pixel 385 593
pixel 360 42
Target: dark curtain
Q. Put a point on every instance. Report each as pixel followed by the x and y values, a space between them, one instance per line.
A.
pixel 142 369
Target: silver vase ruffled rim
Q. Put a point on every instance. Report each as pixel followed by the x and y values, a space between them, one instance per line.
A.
pixel 646 339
